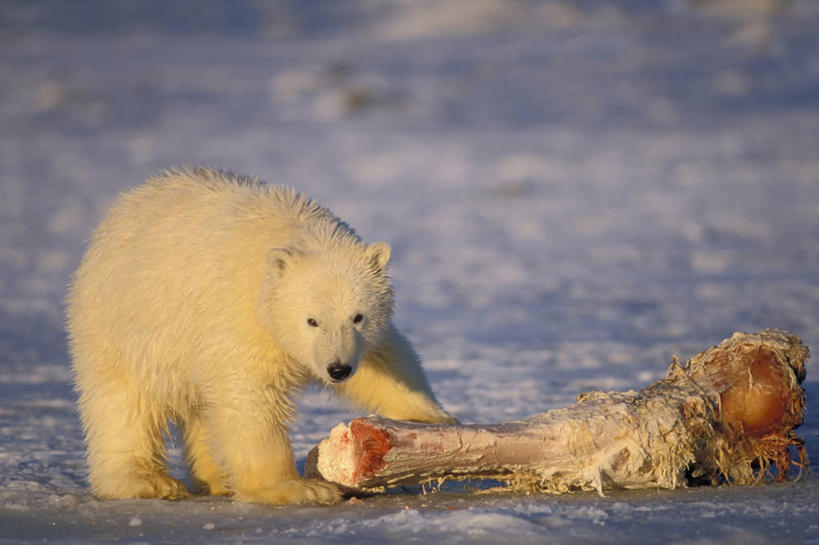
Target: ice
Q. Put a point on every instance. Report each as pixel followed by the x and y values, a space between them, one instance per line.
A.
pixel 574 192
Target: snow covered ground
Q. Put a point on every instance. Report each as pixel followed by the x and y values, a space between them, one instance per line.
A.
pixel 574 191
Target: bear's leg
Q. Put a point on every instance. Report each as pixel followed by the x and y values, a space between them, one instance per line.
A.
pixel 206 475
pixel 255 451
pixel 390 382
pixel 126 451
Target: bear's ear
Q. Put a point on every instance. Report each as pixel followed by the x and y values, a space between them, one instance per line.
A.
pixel 278 258
pixel 378 253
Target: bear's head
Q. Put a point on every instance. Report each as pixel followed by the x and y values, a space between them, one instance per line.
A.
pixel 325 308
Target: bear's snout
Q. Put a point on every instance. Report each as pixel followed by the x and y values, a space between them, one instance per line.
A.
pixel 338 371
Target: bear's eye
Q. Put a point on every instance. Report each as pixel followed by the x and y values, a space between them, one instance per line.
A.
pixel 357 319
pixel 311 322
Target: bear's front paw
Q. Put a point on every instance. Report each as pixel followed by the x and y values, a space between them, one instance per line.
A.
pixel 436 415
pixel 447 418
pixel 295 491
pixel 212 487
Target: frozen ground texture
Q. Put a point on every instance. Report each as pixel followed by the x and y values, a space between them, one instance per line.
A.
pixel 574 192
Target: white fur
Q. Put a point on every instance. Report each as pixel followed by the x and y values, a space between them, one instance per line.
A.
pixel 192 303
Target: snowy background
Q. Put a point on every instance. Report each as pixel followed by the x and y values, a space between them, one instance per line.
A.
pixel 574 191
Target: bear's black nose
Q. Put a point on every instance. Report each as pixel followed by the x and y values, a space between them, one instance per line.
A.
pixel 338 371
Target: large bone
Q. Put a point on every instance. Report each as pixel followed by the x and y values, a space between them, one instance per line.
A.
pixel 729 414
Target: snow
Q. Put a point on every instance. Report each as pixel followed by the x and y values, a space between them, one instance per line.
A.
pixel 574 192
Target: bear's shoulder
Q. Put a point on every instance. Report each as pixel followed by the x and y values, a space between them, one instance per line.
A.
pixel 207 178
pixel 261 202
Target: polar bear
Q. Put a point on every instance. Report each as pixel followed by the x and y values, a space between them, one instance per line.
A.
pixel 209 299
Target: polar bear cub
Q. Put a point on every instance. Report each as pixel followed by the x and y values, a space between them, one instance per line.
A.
pixel 209 299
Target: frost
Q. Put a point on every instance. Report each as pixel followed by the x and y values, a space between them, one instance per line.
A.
pixel 574 191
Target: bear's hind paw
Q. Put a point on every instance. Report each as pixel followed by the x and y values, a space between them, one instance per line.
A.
pixel 172 489
pixel 145 486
